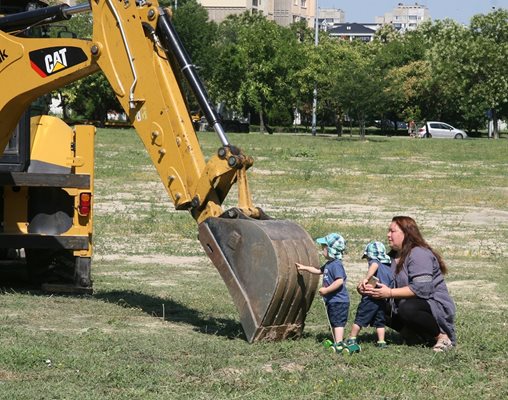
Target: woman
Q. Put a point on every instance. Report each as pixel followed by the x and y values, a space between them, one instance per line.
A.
pixel 421 303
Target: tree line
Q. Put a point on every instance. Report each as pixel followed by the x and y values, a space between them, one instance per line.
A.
pixel 442 71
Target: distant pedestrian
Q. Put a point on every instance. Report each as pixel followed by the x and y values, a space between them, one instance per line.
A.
pixel 333 291
pixel 412 128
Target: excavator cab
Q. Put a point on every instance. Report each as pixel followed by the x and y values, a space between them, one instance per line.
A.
pixel 135 45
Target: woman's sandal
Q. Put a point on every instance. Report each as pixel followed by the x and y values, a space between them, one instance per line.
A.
pixel 443 345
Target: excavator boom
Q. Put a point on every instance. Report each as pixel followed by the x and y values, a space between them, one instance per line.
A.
pixel 136 47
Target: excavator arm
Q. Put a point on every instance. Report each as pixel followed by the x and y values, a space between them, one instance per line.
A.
pixel 136 47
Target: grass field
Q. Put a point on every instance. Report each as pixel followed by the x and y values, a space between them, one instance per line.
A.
pixel 161 324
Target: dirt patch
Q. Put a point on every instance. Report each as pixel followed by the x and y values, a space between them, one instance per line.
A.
pixel 159 259
pixel 7 375
pixel 292 367
pixel 486 217
pixel 268 368
pixel 268 172
pixel 230 372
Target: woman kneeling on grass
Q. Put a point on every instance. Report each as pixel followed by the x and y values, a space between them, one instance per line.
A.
pixel 422 304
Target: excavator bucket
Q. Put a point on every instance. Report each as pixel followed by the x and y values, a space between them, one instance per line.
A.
pixel 256 259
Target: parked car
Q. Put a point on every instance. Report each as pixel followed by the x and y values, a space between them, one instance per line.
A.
pixel 389 124
pixel 441 130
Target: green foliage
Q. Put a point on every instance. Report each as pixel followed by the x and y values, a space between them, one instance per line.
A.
pixel 468 76
pixel 197 34
pixel 443 70
pixel 92 98
pixel 488 79
pixel 257 57
pixel 407 90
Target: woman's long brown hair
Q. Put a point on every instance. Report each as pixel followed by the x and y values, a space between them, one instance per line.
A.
pixel 413 238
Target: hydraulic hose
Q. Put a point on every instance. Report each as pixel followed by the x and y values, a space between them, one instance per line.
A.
pixel 23 20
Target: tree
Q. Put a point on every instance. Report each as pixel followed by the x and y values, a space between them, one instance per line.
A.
pixel 407 92
pixel 256 61
pixel 197 35
pixel 487 75
pixel 403 68
pixel 92 98
pixel 469 64
pixel 310 72
pixel 329 66
pixel 362 84
pixel 348 80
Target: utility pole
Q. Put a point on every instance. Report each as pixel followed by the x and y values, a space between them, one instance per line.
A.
pixel 314 101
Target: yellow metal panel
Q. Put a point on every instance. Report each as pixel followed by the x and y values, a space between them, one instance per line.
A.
pixel 85 151
pixel 15 209
pixel 21 81
pixel 51 141
pixel 10 51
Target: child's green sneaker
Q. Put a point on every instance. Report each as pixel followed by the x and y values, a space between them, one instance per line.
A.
pixel 353 346
pixel 339 347
pixel 381 344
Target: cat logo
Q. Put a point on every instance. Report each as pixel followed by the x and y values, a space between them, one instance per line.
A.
pixel 56 61
pixel 52 60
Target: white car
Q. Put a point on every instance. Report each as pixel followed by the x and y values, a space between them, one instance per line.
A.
pixel 441 130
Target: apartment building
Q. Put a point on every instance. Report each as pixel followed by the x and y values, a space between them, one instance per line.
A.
pixel 283 12
pixel 218 10
pixel 328 17
pixel 287 12
pixel 405 17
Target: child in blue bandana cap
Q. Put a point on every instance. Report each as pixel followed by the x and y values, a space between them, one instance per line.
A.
pixel 371 311
pixel 333 291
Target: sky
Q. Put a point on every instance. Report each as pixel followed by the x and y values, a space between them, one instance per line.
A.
pixel 364 11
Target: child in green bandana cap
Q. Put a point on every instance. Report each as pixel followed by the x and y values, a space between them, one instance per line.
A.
pixel 333 291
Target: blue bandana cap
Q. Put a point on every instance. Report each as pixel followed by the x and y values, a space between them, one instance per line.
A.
pixel 335 243
pixel 376 251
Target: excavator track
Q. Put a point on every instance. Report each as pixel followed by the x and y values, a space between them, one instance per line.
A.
pixel 256 259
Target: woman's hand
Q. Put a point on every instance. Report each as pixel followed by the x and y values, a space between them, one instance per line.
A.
pixel 381 291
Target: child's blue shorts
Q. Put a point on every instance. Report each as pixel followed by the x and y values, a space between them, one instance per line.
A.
pixel 370 312
pixel 337 314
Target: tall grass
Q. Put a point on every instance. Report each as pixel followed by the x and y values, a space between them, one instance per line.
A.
pixel 161 325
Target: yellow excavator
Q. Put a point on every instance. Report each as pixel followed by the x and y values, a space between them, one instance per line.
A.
pixel 47 168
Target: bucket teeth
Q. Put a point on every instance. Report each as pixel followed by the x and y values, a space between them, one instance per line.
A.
pixel 256 259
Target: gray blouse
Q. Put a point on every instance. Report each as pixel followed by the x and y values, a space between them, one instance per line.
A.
pixel 422 274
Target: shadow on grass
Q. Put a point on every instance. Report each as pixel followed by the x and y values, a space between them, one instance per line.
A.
pixel 174 312
pixel 152 305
